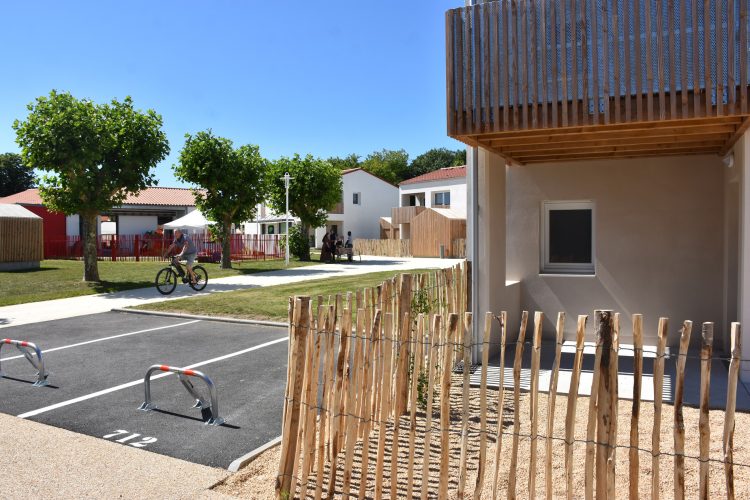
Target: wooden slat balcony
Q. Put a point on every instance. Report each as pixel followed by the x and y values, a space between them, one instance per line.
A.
pixel 404 215
pixel 552 80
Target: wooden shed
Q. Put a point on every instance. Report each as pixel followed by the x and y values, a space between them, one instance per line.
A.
pixel 436 227
pixel 21 238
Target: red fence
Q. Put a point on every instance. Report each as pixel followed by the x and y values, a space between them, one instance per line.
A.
pixel 137 247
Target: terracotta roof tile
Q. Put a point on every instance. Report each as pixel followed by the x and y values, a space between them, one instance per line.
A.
pixel 438 175
pixel 149 196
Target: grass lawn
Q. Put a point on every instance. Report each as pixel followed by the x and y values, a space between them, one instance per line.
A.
pixel 268 303
pixel 62 278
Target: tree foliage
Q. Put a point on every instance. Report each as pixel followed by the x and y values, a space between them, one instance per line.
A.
pixel 315 188
pixel 231 181
pixel 345 163
pixel 93 156
pixel 14 175
pixel 389 165
pixel 435 159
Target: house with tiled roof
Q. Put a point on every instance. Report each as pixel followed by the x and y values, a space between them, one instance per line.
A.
pixel 442 193
pixel 138 214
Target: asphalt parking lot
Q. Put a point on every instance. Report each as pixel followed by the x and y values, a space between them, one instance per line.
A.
pixel 97 365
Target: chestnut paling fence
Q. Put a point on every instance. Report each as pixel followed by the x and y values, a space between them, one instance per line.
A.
pixel 364 368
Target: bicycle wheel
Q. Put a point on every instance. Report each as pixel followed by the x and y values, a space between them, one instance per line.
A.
pixel 166 281
pixel 201 279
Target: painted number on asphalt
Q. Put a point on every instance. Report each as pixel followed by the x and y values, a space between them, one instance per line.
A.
pixel 126 436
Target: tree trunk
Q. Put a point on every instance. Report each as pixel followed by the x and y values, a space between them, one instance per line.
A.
pixel 226 247
pixel 305 230
pixel 90 265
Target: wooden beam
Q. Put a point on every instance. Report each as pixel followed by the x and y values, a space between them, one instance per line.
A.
pixel 648 148
pixel 617 146
pixel 735 137
pixel 562 142
pixel 619 155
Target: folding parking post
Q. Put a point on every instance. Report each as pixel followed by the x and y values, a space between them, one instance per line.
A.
pixel 38 362
pixel 183 375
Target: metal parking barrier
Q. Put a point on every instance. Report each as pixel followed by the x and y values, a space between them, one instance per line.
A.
pixel 38 362
pixel 182 375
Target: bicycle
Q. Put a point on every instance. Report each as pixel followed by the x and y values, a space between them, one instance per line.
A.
pixel 166 278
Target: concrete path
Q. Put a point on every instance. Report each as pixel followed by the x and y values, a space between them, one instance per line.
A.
pixel 49 310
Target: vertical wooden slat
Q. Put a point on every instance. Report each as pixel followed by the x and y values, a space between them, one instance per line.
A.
pixel 616 57
pixel 743 55
pixel 368 374
pixel 563 61
pixel 682 27
pixel 477 58
pixel 658 389
pixel 604 334
pixel 327 406
pixel 696 58
pixel 585 115
pixel 660 57
pixel 729 417
pixel 479 485
pixel 731 78
pixel 432 359
pixel 419 339
pixel 533 43
pixel 570 414
pixel 445 408
pixel 506 64
pixel 517 360
pixel 500 401
pixel 450 73
pixel 402 376
pixel 553 36
pixel 494 18
pixel 460 70
pixel 543 43
pixel 574 61
pixel 356 383
pixel 634 467
pixel 468 63
pixel 605 60
pixel 638 62
pixel 552 398
pixel 385 409
pixel 718 37
pixel 704 426
pixel 313 387
pixel 614 400
pixel 523 62
pixel 679 421
pixel 588 473
pixel 489 119
pixel 595 89
pixel 672 55
pixel 534 401
pixel 514 55
pixel 403 353
pixel 707 81
pixel 649 64
pixel 465 403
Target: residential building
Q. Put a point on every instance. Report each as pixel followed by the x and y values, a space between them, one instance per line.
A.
pixel 609 160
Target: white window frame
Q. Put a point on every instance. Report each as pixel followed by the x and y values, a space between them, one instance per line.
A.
pixel 358 198
pixel 434 198
pixel 548 267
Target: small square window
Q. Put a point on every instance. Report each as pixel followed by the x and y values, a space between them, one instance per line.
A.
pixel 357 198
pixel 442 199
pixel 568 237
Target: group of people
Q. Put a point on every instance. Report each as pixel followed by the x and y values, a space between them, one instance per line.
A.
pixel 331 242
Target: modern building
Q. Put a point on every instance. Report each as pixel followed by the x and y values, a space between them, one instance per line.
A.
pixel 609 159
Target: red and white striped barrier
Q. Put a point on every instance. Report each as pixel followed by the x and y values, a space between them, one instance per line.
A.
pixel 38 362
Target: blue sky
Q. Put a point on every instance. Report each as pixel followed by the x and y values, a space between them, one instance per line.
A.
pixel 321 77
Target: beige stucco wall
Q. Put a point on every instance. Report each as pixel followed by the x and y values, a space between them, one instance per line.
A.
pixel 659 231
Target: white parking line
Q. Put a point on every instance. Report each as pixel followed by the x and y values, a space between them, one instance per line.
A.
pixel 45 351
pixel 140 381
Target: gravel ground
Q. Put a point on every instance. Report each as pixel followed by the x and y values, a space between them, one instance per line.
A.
pixel 39 461
pixel 257 479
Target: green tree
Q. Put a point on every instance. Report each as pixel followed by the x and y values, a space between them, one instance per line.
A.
pixel 14 175
pixel 315 188
pixel 389 165
pixel 232 182
pixel 435 159
pixel 347 162
pixel 93 156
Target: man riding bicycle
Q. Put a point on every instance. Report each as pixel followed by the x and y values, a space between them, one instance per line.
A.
pixel 187 251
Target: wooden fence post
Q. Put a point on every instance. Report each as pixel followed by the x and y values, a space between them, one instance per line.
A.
pixel 603 327
pixel 551 398
pixel 501 397
pixel 445 404
pixel 432 359
pixel 416 373
pixel 658 390
pixel 298 342
pixel 402 370
pixel 326 400
pixel 385 400
pixel 704 428
pixel 467 344
pixel 401 397
pixel 366 408
pixel 633 460
pixel 483 407
pixel 534 401
pixel 570 416
pixel 588 479
pixel 516 403
pixel 310 433
pixel 679 421
pixel 728 438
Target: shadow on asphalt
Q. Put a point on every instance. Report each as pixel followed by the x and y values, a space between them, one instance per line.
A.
pixel 31 382
pixel 205 416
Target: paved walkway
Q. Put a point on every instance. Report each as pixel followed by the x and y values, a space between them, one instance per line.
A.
pixel 49 310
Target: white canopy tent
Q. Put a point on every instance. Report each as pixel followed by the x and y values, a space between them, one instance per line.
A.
pixel 194 221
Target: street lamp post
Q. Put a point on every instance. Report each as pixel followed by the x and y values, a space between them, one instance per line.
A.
pixel 287 178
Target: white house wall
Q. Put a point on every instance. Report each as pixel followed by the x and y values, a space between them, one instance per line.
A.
pixel 457 188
